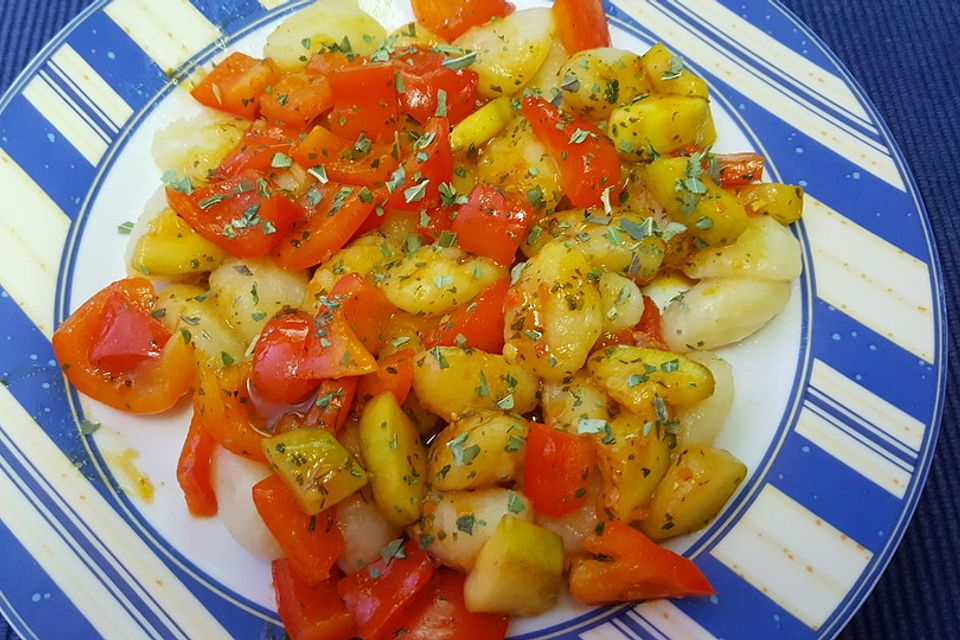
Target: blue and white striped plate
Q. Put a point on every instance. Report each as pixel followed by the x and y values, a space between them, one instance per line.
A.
pixel 838 401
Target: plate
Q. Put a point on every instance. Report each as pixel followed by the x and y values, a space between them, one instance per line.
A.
pixel 838 401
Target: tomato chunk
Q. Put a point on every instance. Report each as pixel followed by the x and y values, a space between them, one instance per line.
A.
pixel 332 407
pixel 245 215
pixel 364 101
pixel 394 373
pixel 439 613
pixel 582 24
pixel 452 19
pixel 492 225
pixel 277 357
pixel 380 593
pixel 140 378
pixel 236 84
pixel 128 337
pixel 193 470
pixel 633 568
pixel 310 612
pixel 586 159
pixel 297 99
pixel 311 544
pixel 421 79
pixel 333 214
pixel 478 325
pixel 429 165
pixel 333 350
pixel 557 469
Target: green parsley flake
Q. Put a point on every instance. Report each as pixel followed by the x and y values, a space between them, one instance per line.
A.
pixel 125 228
pixel 281 161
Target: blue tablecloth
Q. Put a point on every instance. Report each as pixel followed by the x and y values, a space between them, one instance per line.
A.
pixel 905 54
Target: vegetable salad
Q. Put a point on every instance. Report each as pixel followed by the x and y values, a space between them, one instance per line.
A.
pixel 445 301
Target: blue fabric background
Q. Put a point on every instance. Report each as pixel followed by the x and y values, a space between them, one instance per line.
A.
pixel 904 53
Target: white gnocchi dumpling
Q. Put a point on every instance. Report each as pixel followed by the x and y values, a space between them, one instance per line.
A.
pixel 324 23
pixel 233 478
pixel 250 292
pixel 766 250
pixel 195 147
pixel 721 311
pixel 700 423
pixel 433 280
pixel 510 51
pixel 622 302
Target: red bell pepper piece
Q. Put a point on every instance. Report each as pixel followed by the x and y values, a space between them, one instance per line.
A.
pixel 332 407
pixel 380 593
pixel 106 349
pixel 582 24
pixel 360 162
pixel 586 159
pixel 236 84
pixel 430 164
pixel 223 407
pixel 297 99
pixel 439 613
pixel 557 469
pixel 257 149
pixel 492 225
pixel 738 169
pixel 333 214
pixel 364 101
pixel 365 309
pixel 193 470
pixel 394 373
pixel 311 544
pixel 310 612
pixel 479 322
pixel 632 568
pixel 422 77
pixel 245 215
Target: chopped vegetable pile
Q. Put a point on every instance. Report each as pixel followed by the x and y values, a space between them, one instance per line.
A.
pixel 445 301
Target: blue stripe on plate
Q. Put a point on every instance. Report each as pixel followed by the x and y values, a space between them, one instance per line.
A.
pixel 764 16
pixel 835 492
pixel 34 604
pixel 118 59
pixel 230 18
pixel 45 154
pixel 724 615
pixel 780 78
pixel 874 362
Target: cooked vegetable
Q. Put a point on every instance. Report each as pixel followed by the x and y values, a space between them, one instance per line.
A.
pixel 661 125
pixel 480 451
pixel 636 377
pixel 194 469
pixel 395 459
pixel 596 81
pixel 693 491
pixel 689 196
pixel 454 382
pixel 520 554
pixel 482 124
pixel 582 24
pixel 557 467
pixel 782 202
pixel 668 74
pixel 171 248
pixel 310 612
pixel 633 455
pixel 456 524
pixel 630 567
pixel 516 161
pixel 315 467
